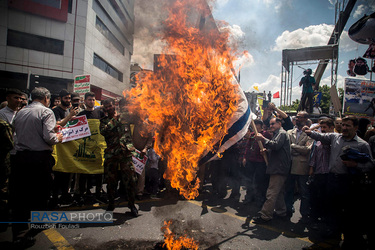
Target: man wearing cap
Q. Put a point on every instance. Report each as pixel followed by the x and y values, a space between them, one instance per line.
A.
pixel 308 84
pixel 76 101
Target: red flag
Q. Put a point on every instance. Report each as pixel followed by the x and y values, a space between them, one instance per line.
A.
pixel 276 95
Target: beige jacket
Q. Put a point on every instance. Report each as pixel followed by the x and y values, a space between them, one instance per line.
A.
pixel 300 150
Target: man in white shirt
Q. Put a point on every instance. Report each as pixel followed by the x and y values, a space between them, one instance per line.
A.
pixel 31 178
pixel 14 98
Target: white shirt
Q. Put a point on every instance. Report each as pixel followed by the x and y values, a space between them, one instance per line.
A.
pixel 7 114
pixel 34 125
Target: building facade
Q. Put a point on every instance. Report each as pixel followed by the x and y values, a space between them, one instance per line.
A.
pixel 49 42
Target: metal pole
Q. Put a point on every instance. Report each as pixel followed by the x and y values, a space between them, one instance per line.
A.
pixel 291 86
pixel 281 86
pixel 28 80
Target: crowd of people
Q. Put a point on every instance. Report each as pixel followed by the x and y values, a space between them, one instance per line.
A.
pixel 28 134
pixel 328 164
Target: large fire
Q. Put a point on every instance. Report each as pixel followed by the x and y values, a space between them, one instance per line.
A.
pixel 189 101
pixel 171 242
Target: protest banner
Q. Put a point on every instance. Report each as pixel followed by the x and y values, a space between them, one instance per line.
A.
pixel 138 161
pixel 359 97
pixel 76 129
pixel 81 84
pixel 84 155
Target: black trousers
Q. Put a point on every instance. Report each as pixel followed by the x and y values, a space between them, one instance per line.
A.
pixel 29 186
pixel 318 196
pixel 310 101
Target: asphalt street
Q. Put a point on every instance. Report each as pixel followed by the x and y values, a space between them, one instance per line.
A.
pixel 214 223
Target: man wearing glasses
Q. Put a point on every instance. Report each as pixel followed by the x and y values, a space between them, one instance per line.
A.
pixel 301 145
pixel 278 149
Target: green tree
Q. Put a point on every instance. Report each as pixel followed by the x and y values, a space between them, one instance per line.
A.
pixel 326 98
pixel 325 102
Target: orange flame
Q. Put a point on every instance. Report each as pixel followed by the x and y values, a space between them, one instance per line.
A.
pixel 171 242
pixel 189 100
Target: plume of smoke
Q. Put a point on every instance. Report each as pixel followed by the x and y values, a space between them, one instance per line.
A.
pixel 149 17
pixel 149 24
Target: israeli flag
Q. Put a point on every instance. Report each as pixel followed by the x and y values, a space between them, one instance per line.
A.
pixel 238 127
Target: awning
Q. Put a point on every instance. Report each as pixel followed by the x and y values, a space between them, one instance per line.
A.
pixel 310 53
pixel 102 94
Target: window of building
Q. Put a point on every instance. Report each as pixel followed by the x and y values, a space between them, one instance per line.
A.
pixel 52 9
pixel 70 6
pixel 35 42
pixel 51 3
pixel 109 35
pixel 119 12
pixel 106 67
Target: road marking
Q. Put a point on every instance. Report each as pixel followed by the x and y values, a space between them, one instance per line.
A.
pixel 57 239
pixel 60 242
pixel 290 234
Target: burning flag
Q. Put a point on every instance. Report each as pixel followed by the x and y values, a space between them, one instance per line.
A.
pixel 173 243
pixel 192 102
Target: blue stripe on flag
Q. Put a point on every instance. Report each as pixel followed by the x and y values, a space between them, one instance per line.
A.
pixel 232 131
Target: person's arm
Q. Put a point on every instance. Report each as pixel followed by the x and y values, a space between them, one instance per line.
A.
pixel 106 126
pixel 267 113
pixel 301 82
pixel 282 114
pixel 49 122
pixel 65 120
pixel 313 158
pixel 313 83
pixel 275 143
pixel 325 138
pixel 303 149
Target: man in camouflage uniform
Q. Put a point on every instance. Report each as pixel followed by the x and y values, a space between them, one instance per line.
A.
pixel 6 144
pixel 118 154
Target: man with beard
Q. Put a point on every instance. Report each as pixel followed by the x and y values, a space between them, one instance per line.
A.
pixel 61 179
pixel 299 174
pixel 349 204
pixel 118 154
pixel 62 112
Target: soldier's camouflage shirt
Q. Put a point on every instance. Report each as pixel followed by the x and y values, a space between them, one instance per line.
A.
pixel 117 134
pixel 6 144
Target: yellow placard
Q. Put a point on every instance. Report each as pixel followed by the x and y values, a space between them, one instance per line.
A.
pixel 84 156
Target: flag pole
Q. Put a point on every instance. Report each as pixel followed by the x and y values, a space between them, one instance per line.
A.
pixel 259 142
